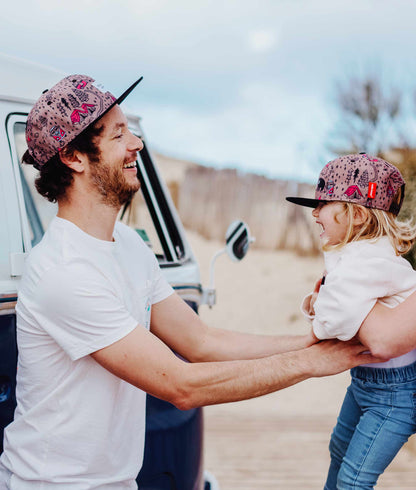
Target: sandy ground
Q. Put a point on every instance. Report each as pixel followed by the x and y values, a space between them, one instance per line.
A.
pixel 278 441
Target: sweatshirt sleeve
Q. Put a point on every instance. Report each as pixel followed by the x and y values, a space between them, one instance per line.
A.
pixel 349 293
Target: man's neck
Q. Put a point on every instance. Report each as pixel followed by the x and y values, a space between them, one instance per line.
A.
pixel 96 219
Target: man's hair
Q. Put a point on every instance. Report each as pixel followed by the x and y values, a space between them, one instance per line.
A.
pixel 378 223
pixel 54 176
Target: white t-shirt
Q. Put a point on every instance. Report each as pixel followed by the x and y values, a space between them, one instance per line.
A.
pixel 77 425
pixel 359 275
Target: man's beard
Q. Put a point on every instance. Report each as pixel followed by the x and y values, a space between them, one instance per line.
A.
pixel 111 184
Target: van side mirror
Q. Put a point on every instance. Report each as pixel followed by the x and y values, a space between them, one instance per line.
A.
pixel 237 240
pixel 237 243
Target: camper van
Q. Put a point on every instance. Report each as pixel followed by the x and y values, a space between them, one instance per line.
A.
pixel 174 439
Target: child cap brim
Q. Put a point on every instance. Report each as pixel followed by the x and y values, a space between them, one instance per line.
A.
pixel 304 201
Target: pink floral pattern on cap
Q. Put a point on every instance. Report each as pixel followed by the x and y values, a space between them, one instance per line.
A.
pixel 359 178
pixel 62 113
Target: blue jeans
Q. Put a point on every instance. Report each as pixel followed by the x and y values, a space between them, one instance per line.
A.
pixel 377 417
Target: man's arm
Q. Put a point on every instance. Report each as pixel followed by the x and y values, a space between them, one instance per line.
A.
pixel 179 327
pixel 145 361
pixel 390 332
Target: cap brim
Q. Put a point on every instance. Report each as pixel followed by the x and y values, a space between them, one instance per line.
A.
pixel 304 201
pixel 117 101
pixel 128 91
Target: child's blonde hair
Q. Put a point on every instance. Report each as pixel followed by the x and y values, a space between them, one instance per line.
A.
pixel 378 223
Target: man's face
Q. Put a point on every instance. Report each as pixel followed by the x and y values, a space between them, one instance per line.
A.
pixel 114 175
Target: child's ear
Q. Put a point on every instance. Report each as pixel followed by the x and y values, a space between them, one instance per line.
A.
pixel 360 215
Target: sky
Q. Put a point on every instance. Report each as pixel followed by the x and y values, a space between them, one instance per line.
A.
pixel 227 83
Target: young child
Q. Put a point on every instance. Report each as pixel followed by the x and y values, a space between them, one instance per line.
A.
pixel 356 203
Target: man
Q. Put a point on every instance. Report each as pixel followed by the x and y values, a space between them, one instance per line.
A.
pixel 97 321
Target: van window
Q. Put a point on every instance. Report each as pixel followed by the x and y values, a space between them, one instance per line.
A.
pixel 40 211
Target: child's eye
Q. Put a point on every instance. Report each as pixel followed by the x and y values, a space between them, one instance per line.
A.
pixel 320 205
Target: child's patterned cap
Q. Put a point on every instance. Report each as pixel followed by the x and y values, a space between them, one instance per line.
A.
pixel 63 112
pixel 361 179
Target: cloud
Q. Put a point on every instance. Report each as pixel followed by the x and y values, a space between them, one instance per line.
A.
pixel 267 130
pixel 237 82
pixel 261 41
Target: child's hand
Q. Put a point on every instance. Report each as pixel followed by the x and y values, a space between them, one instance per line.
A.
pixel 313 297
pixel 319 283
pixel 307 307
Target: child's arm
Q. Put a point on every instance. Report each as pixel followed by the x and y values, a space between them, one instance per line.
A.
pixel 390 332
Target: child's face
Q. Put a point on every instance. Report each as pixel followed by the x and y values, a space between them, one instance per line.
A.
pixel 333 221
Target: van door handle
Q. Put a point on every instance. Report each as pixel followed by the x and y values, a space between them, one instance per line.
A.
pixel 17 262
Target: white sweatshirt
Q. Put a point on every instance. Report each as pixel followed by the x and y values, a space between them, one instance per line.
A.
pixel 359 275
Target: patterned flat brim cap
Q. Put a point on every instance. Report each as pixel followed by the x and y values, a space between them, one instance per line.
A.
pixel 63 112
pixel 358 178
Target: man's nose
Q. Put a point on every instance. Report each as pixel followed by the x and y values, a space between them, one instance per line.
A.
pixel 136 143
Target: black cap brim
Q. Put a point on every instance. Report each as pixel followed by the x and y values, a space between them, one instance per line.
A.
pixel 304 201
pixel 128 91
pixel 117 101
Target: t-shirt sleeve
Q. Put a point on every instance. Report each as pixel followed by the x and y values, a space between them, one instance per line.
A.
pixel 348 295
pixel 78 307
pixel 161 288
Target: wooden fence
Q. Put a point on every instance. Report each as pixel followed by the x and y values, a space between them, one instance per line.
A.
pixel 209 199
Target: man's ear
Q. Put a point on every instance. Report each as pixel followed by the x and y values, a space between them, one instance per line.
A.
pixel 73 159
pixel 360 215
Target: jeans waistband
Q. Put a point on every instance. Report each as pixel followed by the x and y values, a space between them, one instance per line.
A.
pixel 386 375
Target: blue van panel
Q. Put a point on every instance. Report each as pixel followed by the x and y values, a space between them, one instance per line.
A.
pixel 173 453
pixel 173 450
pixel 8 363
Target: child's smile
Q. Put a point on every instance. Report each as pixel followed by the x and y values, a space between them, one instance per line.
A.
pixel 333 222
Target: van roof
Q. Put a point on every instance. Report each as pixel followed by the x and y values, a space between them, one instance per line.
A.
pixel 24 80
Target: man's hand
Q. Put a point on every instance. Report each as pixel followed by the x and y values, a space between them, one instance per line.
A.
pixel 335 356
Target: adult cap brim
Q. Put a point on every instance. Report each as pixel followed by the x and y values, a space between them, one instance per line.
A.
pixel 304 201
pixel 128 91
pixel 117 101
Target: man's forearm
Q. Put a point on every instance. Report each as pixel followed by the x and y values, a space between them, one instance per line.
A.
pixel 143 360
pixel 230 381
pixel 226 345
pixel 222 382
pixel 390 332
pixel 177 325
